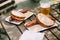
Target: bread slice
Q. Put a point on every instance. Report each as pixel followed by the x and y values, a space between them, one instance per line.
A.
pixel 17 15
pixel 44 20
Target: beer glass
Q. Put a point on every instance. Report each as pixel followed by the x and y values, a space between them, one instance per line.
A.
pixel 45 8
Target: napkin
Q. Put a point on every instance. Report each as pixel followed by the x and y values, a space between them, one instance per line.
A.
pixel 31 35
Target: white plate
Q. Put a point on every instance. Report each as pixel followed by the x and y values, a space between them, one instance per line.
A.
pixel 27 15
pixel 38 27
pixel 30 35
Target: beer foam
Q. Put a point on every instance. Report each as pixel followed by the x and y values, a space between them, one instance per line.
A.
pixel 44 5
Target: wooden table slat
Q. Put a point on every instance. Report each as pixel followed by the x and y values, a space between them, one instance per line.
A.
pixel 50 35
pixel 12 31
pixel 54 35
pixel 0 25
pixel 56 32
pixel 46 38
pixel 22 27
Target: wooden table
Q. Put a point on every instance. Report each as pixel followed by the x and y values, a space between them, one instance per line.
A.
pixel 15 31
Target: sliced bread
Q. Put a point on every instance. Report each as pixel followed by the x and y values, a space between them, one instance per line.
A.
pixel 44 20
pixel 18 16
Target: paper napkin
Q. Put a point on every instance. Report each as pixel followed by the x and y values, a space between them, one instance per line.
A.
pixel 30 35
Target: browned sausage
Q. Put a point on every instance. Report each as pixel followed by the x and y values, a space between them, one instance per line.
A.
pixel 29 24
pixel 24 11
pixel 11 19
pixel 52 18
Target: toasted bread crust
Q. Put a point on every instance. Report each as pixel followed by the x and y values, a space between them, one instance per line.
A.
pixel 16 16
pixel 41 23
pixel 14 19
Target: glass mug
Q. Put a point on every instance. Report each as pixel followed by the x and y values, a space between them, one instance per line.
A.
pixel 45 8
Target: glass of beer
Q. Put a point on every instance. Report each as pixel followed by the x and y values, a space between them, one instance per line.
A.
pixel 45 8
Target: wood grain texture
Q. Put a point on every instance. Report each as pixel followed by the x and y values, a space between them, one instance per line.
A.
pixel 0 25
pixel 13 31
